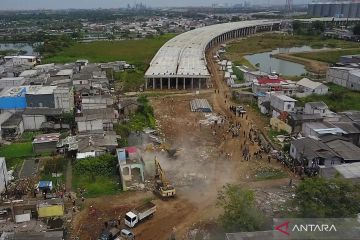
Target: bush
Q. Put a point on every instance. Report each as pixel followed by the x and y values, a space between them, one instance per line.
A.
pixel 104 165
pixel 240 212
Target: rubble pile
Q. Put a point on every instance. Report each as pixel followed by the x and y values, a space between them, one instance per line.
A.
pixel 273 202
pixel 211 118
pixel 189 179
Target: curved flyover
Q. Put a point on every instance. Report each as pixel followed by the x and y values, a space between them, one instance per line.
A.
pixel 181 62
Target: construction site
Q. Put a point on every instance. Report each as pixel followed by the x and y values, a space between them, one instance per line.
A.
pixel 206 144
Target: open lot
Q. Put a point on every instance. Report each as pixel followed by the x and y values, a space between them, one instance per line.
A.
pixel 138 52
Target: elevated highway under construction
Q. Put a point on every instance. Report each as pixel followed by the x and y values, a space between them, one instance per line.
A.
pixel 181 63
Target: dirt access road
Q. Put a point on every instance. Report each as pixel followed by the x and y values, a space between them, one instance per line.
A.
pixel 210 158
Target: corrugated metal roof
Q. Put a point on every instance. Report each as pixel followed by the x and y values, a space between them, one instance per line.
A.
pixel 349 170
pixel 200 105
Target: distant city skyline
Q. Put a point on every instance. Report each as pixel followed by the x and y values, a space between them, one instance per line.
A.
pixel 88 4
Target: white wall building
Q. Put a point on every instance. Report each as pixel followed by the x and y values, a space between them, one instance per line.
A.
pixel 343 76
pixel 64 98
pixel 11 82
pixel 20 60
pixel 282 103
pixel 308 87
pixel 4 177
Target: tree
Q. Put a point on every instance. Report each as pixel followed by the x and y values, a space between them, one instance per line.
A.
pixel 296 26
pixel 318 26
pixel 356 29
pixel 240 213
pixel 321 198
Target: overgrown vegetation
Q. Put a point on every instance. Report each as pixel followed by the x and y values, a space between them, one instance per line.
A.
pixel 239 75
pixel 129 80
pixel 98 175
pixel 330 56
pixel 322 198
pixel 356 29
pixel 316 28
pixel 143 118
pixel 240 213
pixel 137 52
pixel 338 99
pixel 28 136
pixel 54 165
pixel 53 44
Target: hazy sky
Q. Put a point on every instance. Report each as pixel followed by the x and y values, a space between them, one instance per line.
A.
pixel 62 4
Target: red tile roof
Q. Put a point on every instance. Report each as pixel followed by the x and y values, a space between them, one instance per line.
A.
pixel 267 80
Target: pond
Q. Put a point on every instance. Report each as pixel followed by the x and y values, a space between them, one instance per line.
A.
pixel 18 46
pixel 269 64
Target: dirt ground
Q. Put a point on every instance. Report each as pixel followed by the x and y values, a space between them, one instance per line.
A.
pixel 209 159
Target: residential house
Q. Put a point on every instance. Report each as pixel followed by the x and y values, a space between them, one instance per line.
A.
pixel 131 166
pixel 273 83
pixel 307 87
pixel 11 82
pixel 96 102
pixel 65 73
pixel 349 152
pixel 296 120
pixel 263 102
pixel 281 103
pixel 316 129
pixel 13 127
pixel 64 98
pixel 13 98
pixel 40 96
pixel 316 108
pixel 20 60
pixel 33 118
pixel 97 143
pixel 344 76
pixel 313 152
pixel 348 171
pixel 351 131
pixel 45 143
pixel 96 120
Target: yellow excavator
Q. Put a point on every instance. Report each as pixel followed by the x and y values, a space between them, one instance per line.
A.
pixel 162 186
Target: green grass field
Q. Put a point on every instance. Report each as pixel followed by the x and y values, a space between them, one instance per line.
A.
pixel 97 185
pixel 338 99
pixel 17 150
pixel 138 52
pixel 238 49
pixel 16 153
pixel 331 56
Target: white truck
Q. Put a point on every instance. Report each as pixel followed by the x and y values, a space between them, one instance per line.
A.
pixel 140 213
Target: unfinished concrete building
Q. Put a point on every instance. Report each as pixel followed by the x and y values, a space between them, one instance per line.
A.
pixel 181 62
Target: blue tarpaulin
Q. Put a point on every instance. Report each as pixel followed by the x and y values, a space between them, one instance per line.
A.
pixel 45 184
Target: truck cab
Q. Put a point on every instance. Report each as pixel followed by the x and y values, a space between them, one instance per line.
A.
pixel 131 219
